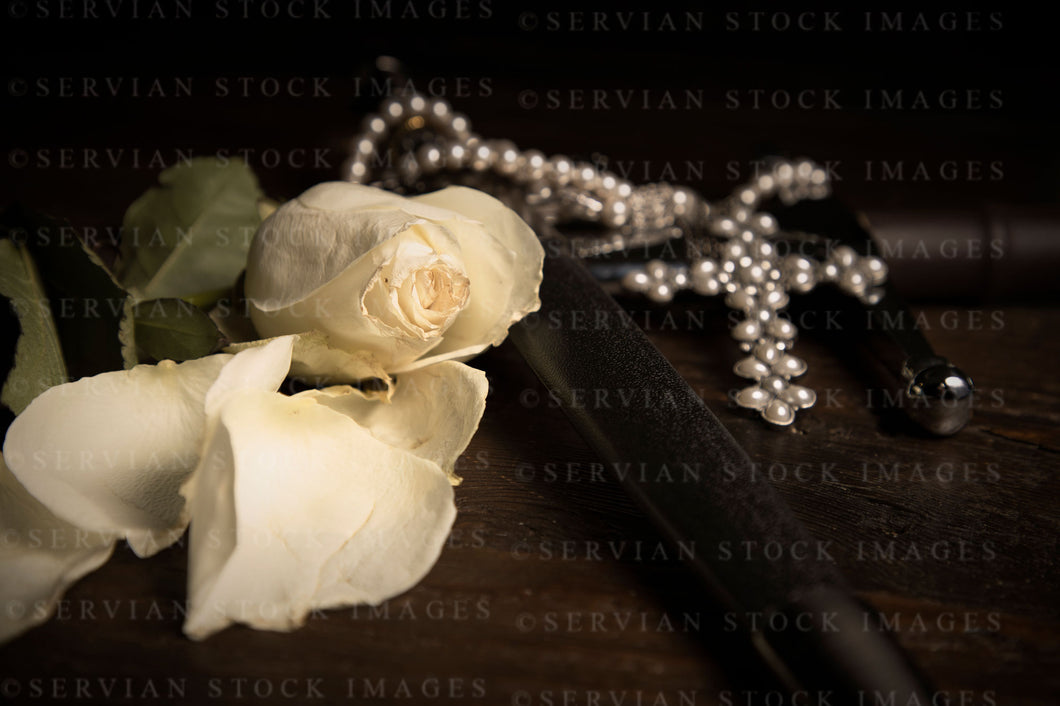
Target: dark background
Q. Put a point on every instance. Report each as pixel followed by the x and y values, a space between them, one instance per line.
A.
pixel 976 131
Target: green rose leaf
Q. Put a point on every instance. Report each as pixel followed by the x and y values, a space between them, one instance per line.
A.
pixel 84 301
pixel 38 355
pixel 189 237
pixel 169 329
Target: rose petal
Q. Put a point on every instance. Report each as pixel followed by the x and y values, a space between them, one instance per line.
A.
pixel 108 453
pixel 260 367
pixel 42 556
pixel 351 310
pixel 434 411
pixel 310 240
pixel 309 510
pixel 486 268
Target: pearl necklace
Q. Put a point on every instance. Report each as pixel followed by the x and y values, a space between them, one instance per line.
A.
pixel 730 245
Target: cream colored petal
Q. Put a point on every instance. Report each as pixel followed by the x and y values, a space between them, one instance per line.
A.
pixel 434 411
pixel 351 319
pixel 315 361
pixel 504 255
pixel 41 556
pixel 310 240
pixel 298 250
pixel 262 367
pixel 108 453
pixel 307 510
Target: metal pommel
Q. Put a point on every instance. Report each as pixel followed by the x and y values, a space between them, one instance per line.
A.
pixel 939 395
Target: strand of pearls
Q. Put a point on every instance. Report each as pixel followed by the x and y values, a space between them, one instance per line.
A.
pixel 739 259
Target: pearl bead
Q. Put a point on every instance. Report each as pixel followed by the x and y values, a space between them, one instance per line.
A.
pixel 531 166
pixel 707 286
pixel 800 282
pixel 751 368
pixel 762 249
pixel 460 126
pixel 803 171
pixel 799 396
pixel 764 223
pixel 355 171
pixel 417 105
pixel 724 226
pixel 584 176
pixel 558 169
pixel 373 126
pixel 779 412
pixel 430 158
pixel 740 299
pixel 734 250
pixel 784 173
pixel 746 330
pixel 782 329
pixel 773 383
pixel 660 293
pixel 656 269
pixel 392 110
pixel 775 299
pixel 456 156
pixel 637 281
pixel 791 366
pixel 753 397
pixel 765 184
pixel 876 269
pixel 742 214
pixel 615 213
pixel 844 256
pixel 754 274
pixel 623 189
pixel 440 110
pixel 704 268
pixel 607 184
pixel 854 282
pixel 684 201
pixel 767 352
pixel 874 296
pixel 482 157
pixel 365 147
pixel 507 156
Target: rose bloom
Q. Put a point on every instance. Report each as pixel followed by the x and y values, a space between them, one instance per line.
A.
pixel 411 281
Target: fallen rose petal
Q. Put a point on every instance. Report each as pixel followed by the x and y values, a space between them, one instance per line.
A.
pixel 42 556
pixel 433 413
pixel 108 453
pixel 306 510
pixel 261 368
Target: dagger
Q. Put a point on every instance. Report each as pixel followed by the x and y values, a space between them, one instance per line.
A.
pixel 813 632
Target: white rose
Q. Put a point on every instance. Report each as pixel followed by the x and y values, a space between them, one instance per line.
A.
pixel 411 281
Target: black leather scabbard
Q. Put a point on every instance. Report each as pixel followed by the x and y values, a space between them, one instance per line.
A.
pixel 691 477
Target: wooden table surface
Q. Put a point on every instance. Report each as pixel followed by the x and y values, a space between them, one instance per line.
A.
pixel 554 589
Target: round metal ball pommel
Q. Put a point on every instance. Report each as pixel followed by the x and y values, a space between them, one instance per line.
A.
pixel 939 396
